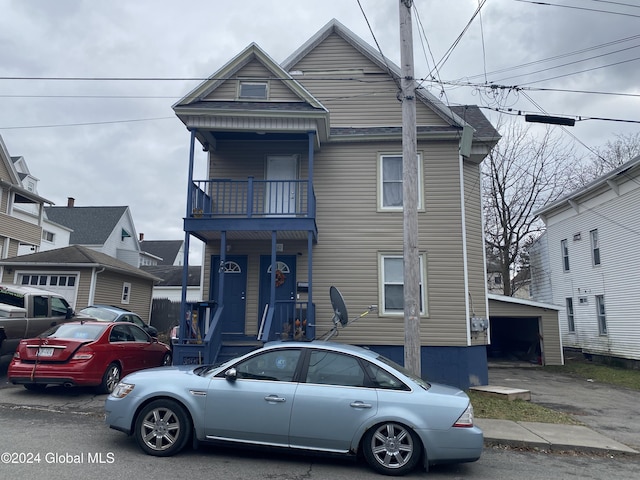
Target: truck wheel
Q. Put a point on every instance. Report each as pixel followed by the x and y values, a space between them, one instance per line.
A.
pixel 110 378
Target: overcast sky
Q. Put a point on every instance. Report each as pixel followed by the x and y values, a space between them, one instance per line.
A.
pixel 109 143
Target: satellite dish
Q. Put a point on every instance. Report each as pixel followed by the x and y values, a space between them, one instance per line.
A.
pixel 340 315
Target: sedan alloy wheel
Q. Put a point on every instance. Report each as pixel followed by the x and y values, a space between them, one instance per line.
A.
pixel 162 428
pixel 391 449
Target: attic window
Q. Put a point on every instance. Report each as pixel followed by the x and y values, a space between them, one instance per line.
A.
pixel 254 90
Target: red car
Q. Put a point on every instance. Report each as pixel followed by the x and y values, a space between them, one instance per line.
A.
pixel 87 353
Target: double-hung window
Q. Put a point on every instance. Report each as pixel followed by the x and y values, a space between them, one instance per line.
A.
pixel 595 247
pixel 390 189
pixel 600 311
pixel 392 284
pixel 571 325
pixel 564 246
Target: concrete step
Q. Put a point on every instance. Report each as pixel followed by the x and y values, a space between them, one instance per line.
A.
pixel 507 393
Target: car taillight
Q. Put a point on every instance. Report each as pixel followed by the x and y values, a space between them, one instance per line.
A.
pixel 466 419
pixel 83 353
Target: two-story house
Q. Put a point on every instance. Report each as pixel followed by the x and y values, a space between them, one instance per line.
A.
pixel 304 192
pixel 587 263
pixel 21 208
pixel 106 229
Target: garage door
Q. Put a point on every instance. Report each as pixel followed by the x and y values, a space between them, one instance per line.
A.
pixel 63 284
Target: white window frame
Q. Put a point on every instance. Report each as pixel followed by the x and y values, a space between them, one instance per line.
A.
pixel 571 317
pixel 126 293
pixel 596 259
pixel 46 234
pixel 383 310
pixel 564 249
pixel 601 314
pixel 253 83
pixel 381 182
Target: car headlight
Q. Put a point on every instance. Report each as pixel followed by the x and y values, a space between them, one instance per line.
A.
pixel 122 390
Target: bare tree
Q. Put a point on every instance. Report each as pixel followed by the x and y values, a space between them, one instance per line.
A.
pixel 609 157
pixel 526 170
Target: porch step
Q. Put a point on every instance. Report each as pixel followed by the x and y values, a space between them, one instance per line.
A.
pixel 504 392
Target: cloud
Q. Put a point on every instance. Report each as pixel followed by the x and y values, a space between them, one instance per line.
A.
pixel 106 160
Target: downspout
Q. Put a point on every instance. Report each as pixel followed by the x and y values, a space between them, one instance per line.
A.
pixel 92 287
pixel 467 307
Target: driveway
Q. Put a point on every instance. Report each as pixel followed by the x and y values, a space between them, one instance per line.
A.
pixel 611 411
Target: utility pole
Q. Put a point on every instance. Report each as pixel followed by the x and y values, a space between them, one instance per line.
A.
pixel 409 194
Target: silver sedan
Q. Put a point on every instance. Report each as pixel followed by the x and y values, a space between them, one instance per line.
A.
pixel 317 396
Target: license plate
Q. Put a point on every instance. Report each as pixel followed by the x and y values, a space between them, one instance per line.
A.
pixel 45 352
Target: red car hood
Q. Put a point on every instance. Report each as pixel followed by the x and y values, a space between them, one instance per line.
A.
pixel 49 349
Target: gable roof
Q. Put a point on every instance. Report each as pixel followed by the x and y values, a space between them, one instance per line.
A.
pixel 79 257
pixel 335 27
pixel 14 182
pixel 90 225
pixel 171 275
pixel 609 180
pixel 167 250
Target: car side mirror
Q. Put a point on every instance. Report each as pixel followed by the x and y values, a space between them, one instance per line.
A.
pixel 231 374
pixel 153 331
pixel 70 313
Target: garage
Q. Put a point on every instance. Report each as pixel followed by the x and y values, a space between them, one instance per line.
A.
pixel 524 331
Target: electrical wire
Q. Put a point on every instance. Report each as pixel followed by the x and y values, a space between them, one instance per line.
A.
pixel 547 4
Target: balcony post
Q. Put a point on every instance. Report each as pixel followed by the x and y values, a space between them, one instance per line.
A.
pixel 249 197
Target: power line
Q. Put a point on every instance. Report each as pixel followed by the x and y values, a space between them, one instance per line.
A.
pixel 547 4
pixel 88 123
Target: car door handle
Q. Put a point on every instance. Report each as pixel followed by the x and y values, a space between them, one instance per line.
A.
pixel 359 404
pixel 275 398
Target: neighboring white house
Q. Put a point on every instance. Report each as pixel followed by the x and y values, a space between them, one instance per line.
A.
pixel 588 262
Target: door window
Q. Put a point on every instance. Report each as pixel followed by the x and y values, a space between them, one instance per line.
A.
pixel 274 365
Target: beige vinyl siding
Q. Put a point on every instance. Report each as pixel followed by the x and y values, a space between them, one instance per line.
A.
pixel 20 230
pixel 109 290
pixel 548 319
pixel 475 247
pixel 352 234
pixel 4 199
pixel 277 90
pixel 355 99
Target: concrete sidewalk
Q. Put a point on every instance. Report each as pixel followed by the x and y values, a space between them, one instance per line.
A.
pixel 548 436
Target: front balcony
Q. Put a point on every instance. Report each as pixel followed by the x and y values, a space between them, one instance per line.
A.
pixel 251 209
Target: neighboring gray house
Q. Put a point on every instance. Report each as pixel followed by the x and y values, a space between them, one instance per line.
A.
pixel 84 276
pixel 170 284
pixel 588 263
pixel 304 191
pixel 162 252
pixel 109 230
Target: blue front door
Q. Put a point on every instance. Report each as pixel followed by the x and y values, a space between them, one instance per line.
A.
pixel 285 288
pixel 235 291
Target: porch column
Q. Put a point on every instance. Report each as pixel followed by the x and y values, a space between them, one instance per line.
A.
pixel 187 237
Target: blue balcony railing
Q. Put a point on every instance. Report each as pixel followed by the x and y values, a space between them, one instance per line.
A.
pixel 252 198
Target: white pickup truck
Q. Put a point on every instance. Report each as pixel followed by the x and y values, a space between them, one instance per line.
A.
pixel 27 312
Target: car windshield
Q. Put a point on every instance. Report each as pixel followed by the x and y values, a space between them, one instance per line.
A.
pixel 76 331
pixel 404 371
pixel 99 313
